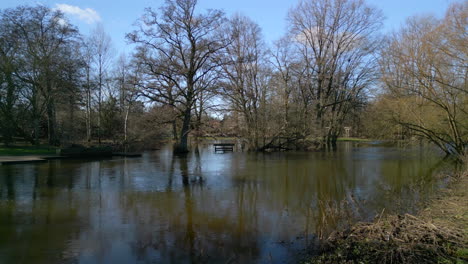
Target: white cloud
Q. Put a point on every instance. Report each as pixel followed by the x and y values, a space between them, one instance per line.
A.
pixel 87 15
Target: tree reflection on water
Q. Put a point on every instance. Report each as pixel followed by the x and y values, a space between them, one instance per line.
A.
pixel 201 207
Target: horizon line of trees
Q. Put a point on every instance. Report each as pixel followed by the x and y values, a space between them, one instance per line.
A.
pixel 188 65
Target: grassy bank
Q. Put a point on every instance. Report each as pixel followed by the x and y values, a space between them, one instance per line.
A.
pixel 27 150
pixel 437 234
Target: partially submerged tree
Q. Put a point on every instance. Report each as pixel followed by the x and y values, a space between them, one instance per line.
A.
pixel 178 48
pixel 245 72
pixel 336 41
pixel 424 68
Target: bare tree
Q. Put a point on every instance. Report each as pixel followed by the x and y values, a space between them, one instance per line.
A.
pixel 126 76
pixel 246 76
pixel 101 47
pixel 336 40
pixel 88 86
pixel 178 49
pixel 46 41
pixel 283 61
pixel 290 81
pixel 9 90
pixel 424 68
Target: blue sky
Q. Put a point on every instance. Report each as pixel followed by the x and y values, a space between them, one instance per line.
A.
pixel 117 16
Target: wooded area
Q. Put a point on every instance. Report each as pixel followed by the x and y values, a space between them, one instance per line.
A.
pixel 200 73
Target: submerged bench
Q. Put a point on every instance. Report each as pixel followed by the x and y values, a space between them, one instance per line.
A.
pixel 224 147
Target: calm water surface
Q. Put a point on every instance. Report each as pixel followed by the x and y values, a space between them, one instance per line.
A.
pixel 203 208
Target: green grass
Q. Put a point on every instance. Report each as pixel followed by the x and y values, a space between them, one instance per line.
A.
pixel 24 151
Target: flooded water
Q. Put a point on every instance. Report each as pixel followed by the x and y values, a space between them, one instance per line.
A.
pixel 202 208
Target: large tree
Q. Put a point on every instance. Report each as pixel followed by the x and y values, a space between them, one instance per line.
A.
pixel 246 76
pixel 178 49
pixel 9 88
pixel 45 42
pixel 424 69
pixel 336 41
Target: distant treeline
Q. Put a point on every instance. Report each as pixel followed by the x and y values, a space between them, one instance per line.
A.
pixel 200 73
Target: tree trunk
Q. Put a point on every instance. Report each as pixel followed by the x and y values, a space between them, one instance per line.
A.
pixel 52 124
pixel 88 106
pixel 71 122
pixel 9 129
pixel 182 147
pixel 127 112
pixel 35 114
pixel 100 98
pixel 36 127
pixel 99 117
pixel 175 137
pixel 199 113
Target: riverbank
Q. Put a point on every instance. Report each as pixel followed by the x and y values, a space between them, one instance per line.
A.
pixel 437 234
pixel 27 151
pixel 28 154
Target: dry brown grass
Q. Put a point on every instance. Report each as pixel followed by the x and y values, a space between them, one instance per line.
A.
pixel 450 207
pixel 438 234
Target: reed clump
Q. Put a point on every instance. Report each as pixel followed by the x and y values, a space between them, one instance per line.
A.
pixel 395 239
pixel 437 234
